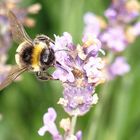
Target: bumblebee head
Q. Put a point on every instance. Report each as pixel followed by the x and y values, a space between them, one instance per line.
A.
pixel 47 58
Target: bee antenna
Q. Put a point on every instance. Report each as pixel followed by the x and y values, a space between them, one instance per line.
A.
pixel 62 50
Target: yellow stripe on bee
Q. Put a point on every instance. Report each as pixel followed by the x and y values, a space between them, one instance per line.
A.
pixel 36 56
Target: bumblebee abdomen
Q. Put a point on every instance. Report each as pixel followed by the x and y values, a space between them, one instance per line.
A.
pixel 27 55
pixel 24 54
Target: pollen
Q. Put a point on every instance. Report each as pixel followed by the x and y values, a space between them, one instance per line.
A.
pixel 91 41
pixel 77 73
pixel 79 99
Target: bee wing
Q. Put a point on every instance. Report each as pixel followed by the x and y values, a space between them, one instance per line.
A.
pixel 12 75
pixel 18 32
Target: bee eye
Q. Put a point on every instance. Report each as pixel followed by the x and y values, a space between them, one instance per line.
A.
pixel 45 58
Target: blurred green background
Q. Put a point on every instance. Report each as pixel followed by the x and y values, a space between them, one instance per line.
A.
pixel 23 103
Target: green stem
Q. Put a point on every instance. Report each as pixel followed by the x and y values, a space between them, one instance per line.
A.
pixel 73 124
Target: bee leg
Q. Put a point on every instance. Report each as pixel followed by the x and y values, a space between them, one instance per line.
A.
pixel 43 76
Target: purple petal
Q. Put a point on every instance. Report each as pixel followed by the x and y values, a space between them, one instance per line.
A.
pixel 63 75
pixel 49 116
pixel 119 67
pixel 79 135
pixel 49 124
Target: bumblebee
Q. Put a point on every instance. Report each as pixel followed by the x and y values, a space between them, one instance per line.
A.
pixel 31 55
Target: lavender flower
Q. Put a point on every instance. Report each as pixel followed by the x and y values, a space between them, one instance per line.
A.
pixel 136 29
pixel 5 37
pixel 80 70
pixel 49 125
pixel 77 100
pixel 93 69
pixel 122 11
pixel 118 67
pixel 93 25
pixel 79 135
pixel 71 64
pixel 4 69
pixel 65 123
pixel 21 13
pixel 114 39
pixel 121 28
pixel 132 31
